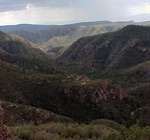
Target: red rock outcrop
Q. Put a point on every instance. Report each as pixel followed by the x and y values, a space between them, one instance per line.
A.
pixel 4 132
pixel 104 91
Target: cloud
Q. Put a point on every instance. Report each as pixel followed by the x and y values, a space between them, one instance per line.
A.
pixel 69 11
pixel 14 5
pixel 140 9
pixel 106 10
pixel 39 15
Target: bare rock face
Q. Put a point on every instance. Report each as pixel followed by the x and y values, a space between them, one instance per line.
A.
pixel 103 91
pixel 4 132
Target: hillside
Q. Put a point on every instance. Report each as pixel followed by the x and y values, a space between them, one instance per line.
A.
pixel 97 78
pixel 30 77
pixel 17 51
pixel 41 36
pixel 17 114
pixel 61 35
pixel 85 30
pixel 28 35
pixel 112 49
pixel 55 39
pixel 121 57
pixel 122 49
pixel 74 96
pixel 57 45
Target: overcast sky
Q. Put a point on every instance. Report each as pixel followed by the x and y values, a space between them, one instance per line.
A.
pixel 70 11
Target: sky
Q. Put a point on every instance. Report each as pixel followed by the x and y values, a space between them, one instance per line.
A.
pixel 71 11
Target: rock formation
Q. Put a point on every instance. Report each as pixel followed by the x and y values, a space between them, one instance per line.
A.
pixel 4 132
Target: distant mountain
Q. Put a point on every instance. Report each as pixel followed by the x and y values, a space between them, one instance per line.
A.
pixel 34 27
pixel 42 34
pixel 26 27
pixel 92 23
pixel 57 45
pixel 40 37
pixel 55 39
pixel 39 34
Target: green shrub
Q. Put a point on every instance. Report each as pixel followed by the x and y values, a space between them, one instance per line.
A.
pixel 133 133
pixel 108 123
pixel 61 131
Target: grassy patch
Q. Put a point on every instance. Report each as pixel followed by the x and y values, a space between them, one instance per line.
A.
pixel 61 131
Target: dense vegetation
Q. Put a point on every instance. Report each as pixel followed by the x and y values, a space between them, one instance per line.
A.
pixel 98 77
pixel 74 131
pixel 133 133
pixel 61 131
pixel 122 57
